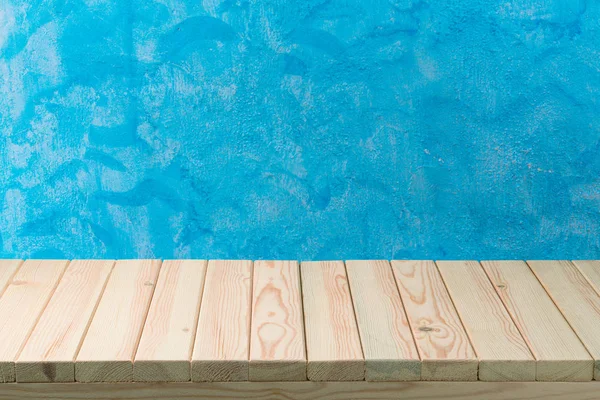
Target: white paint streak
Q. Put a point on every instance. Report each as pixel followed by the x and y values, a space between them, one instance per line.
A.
pixel 13 215
pixel 7 22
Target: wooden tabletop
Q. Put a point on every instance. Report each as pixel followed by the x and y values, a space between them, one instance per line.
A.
pixel 237 320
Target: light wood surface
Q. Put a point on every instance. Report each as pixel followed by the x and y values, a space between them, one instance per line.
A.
pixel 576 299
pixel 222 341
pixel 590 269
pixel 446 353
pixel 559 354
pixel 293 330
pixel 49 354
pixel 8 268
pixel 502 352
pixel 388 345
pixel 277 348
pixel 109 346
pixel 21 305
pixel 332 339
pixel 304 391
pixel 167 340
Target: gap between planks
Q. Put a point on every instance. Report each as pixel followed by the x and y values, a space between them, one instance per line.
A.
pixel 50 351
pixel 444 346
pixel 334 351
pixel 387 341
pixel 559 354
pixel 222 344
pixel 502 352
pixel 167 340
pixel 21 306
pixel 109 347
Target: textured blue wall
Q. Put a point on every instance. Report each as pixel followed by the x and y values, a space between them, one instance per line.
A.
pixel 300 128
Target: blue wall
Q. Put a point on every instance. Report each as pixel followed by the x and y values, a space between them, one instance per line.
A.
pixel 300 128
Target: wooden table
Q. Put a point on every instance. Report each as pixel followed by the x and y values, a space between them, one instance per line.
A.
pixel 144 329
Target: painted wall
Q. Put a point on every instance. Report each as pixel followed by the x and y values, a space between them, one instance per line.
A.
pixel 307 129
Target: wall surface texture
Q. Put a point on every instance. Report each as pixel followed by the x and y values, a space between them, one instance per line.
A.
pixel 305 129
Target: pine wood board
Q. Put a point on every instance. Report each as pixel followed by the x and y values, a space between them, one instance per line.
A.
pixel 590 269
pixel 8 268
pixel 303 391
pixel 49 353
pixel 355 313
pixel 332 340
pixel 387 341
pixel 502 352
pixel 559 354
pixel 109 347
pixel 165 348
pixel 277 348
pixel 576 299
pixel 21 305
pixel 222 343
pixel 444 346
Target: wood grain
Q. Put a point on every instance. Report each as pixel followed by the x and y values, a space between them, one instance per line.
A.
pixel 8 268
pixel 502 352
pixel 277 349
pixel 446 353
pixel 49 354
pixel 303 391
pixel 222 342
pixel 576 299
pixel 559 354
pixel 332 340
pixel 168 336
pixel 387 342
pixel 590 269
pixel 109 346
pixel 21 305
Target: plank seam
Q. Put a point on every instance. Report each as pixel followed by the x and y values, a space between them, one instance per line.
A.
pixel 412 334
pixel 509 314
pixel 196 320
pixel 37 320
pixel 89 323
pixel 303 317
pixel 354 314
pixel 249 323
pixel 560 311
pixel 585 276
pixel 458 315
pixel 143 324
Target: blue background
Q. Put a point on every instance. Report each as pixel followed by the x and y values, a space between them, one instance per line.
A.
pixel 300 129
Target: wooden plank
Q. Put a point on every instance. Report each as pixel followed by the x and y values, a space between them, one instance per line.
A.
pixel 8 268
pixel 502 352
pixel 559 354
pixel 222 342
pixel 49 354
pixel 277 349
pixel 333 346
pixel 108 349
pixel 167 339
pixel 576 300
pixel 444 346
pixel 388 345
pixel 590 269
pixel 304 391
pixel 21 305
